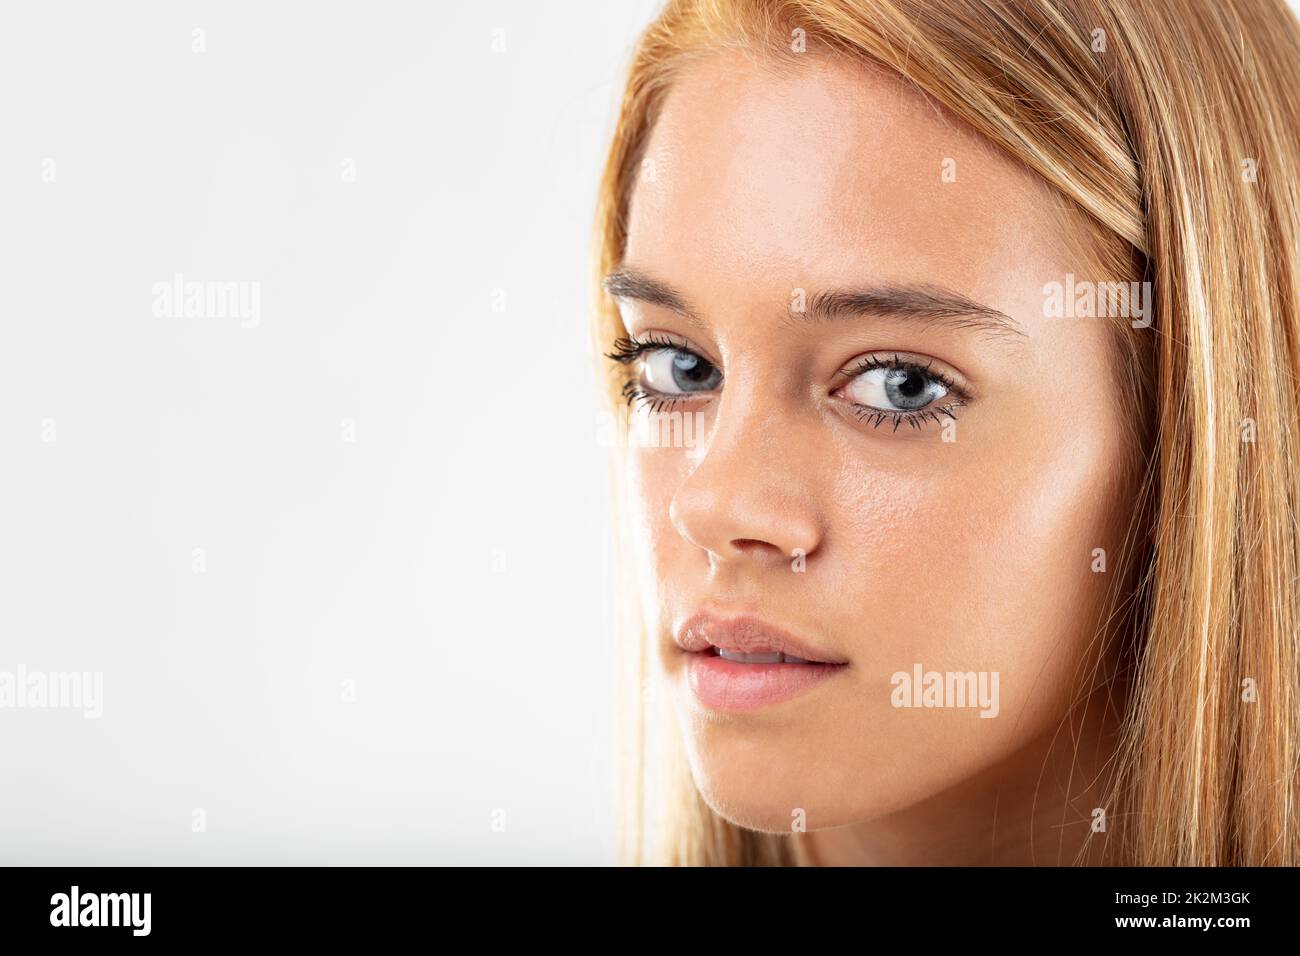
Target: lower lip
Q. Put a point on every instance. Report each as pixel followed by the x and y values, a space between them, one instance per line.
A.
pixel 721 684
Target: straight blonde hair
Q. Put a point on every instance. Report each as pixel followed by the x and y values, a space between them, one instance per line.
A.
pixel 1169 127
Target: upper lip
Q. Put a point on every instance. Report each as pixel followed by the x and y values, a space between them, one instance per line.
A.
pixel 745 634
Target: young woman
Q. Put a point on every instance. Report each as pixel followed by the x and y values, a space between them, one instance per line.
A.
pixel 968 338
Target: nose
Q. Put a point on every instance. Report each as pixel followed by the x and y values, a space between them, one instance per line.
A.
pixel 750 497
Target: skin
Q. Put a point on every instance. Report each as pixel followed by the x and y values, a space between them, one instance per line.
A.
pixel 968 554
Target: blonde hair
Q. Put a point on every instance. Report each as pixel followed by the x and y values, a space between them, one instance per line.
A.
pixel 1170 128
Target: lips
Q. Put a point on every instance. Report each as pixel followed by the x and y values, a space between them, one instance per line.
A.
pixel 746 635
pixel 743 663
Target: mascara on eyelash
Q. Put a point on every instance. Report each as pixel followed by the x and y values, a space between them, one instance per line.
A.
pixel 865 414
pixel 874 362
pixel 628 350
pixel 651 401
pixel 875 417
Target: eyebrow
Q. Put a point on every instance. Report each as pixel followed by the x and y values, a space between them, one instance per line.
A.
pixel 927 302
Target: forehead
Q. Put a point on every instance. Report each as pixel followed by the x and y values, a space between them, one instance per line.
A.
pixel 826 170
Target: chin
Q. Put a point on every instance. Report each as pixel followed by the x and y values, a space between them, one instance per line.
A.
pixel 738 804
pixel 764 785
pixel 780 806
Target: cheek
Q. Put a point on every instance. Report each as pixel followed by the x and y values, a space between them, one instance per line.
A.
pixel 653 476
pixel 983 564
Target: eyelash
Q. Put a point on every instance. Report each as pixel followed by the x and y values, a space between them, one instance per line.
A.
pixel 627 350
pixel 875 416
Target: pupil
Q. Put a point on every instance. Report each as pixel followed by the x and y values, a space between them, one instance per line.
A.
pixel 691 370
pixel 908 388
pixel 912 385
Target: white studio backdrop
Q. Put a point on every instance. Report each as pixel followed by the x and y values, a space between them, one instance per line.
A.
pixel 333 534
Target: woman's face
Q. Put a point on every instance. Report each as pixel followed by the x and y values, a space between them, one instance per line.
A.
pixel 892 460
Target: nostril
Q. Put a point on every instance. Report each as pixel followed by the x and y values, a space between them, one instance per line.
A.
pixel 753 546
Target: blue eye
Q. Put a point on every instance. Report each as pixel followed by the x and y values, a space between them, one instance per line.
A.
pixel 671 371
pixel 905 388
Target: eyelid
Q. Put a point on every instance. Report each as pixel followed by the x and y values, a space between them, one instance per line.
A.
pixel 956 382
pixel 658 338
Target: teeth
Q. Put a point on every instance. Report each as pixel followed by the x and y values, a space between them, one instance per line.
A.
pixel 773 657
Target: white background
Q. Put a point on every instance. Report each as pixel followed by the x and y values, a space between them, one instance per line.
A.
pixel 451 561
